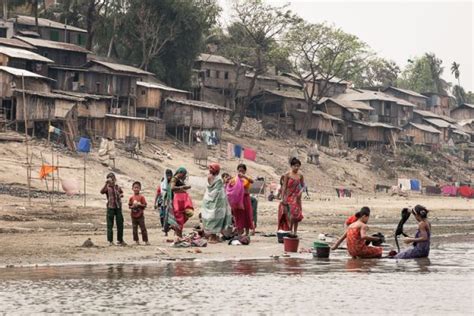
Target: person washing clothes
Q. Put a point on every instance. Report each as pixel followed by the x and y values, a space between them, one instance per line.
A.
pixel 114 195
pixel 421 241
pixel 137 205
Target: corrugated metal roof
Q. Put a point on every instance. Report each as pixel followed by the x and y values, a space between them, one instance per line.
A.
pixel 23 54
pixel 199 104
pixel 323 114
pixel 409 92
pixel 425 128
pixel 438 122
pixel 85 95
pixel 52 44
pixel 467 105
pixel 50 95
pixel 22 73
pixel 291 94
pixel 30 20
pixel 124 117
pixel 208 58
pixel 280 79
pixel 374 124
pixel 368 95
pixel 159 86
pixel 347 101
pixel 13 42
pixel 424 113
pixel 121 67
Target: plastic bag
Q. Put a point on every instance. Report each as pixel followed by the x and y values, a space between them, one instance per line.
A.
pixel 235 194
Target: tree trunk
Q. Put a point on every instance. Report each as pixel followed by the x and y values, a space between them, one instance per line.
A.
pixel 90 20
pixel 35 13
pixel 112 38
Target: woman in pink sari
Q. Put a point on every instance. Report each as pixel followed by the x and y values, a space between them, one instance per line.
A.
pixel 242 209
pixel 290 211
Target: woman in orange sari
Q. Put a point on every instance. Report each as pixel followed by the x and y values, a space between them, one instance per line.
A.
pixel 290 211
pixel 243 217
pixel 356 235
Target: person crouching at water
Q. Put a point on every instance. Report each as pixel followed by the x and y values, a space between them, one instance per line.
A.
pixel 215 210
pixel 348 222
pixel 356 235
pixel 114 195
pixel 137 205
pixel 290 211
pixel 182 205
pixel 421 241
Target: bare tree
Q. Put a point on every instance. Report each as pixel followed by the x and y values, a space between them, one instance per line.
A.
pixel 321 55
pixel 263 23
pixel 152 32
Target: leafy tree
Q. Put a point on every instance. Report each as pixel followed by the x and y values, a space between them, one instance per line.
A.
pixel 376 72
pixel 423 74
pixel 459 94
pixel 261 24
pixel 322 54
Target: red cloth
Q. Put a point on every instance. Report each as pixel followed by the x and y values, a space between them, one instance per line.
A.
pixel 350 220
pixel 466 191
pixel 250 154
pixel 158 190
pixel 137 211
pixel 244 217
pixel 181 202
pixel 357 247
pixel 292 211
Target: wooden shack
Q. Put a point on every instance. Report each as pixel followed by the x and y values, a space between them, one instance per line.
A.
pixel 182 117
pixel 150 96
pixel 421 134
pixel 370 134
pixel 440 103
pixel 345 109
pixel 411 96
pixel 24 59
pixel 464 111
pixel 119 127
pixel 51 30
pixel 442 126
pixel 64 54
pixel 322 127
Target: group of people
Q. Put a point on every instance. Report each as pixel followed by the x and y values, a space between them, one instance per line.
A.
pixel 358 239
pixel 228 210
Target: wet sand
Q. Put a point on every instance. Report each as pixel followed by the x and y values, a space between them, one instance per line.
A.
pixel 39 235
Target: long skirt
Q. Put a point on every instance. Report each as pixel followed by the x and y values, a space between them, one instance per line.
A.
pixel 244 217
pixel 181 202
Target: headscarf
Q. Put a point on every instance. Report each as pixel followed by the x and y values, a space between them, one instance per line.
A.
pixel 214 168
pixel 165 183
pixel 180 170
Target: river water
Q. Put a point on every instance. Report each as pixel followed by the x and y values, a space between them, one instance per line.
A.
pixel 441 285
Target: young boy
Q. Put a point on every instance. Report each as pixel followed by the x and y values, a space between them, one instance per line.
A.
pixel 137 204
pixel 114 209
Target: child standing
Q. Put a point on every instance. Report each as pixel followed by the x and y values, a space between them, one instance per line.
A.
pixel 114 209
pixel 137 204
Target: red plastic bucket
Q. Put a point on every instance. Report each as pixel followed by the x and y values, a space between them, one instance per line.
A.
pixel 291 244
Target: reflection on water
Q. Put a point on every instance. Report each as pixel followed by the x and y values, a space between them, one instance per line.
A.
pixel 333 285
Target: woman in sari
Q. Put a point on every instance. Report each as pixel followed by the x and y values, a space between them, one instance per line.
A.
pixel 160 198
pixel 356 235
pixel 216 213
pixel 290 211
pixel 243 214
pixel 421 241
pixel 181 205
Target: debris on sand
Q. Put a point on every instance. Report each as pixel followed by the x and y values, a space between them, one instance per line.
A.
pixel 88 243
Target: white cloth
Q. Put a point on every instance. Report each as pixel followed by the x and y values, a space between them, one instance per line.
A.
pixel 404 184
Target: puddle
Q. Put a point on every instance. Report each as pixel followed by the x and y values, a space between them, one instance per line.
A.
pixel 443 284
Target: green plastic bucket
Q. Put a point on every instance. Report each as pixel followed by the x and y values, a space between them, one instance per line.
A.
pixel 320 244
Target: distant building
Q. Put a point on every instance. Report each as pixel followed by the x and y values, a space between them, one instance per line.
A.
pixel 464 111
pixel 413 97
pixel 24 59
pixel 440 103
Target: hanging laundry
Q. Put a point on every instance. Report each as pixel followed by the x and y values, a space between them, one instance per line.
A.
pixel 51 129
pixel 84 145
pixel 237 151
pixel 466 191
pixel 57 131
pixel 230 150
pixel 404 184
pixel 449 190
pixel 250 154
pixel 46 170
pixel 415 185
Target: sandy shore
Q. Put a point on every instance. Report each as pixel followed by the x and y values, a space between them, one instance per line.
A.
pixel 39 235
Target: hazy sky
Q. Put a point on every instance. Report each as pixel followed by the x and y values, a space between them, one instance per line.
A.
pixel 398 30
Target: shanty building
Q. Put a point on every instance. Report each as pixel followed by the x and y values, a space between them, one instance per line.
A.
pixel 440 103
pixel 411 96
pixel 185 117
pixel 324 128
pixel 120 127
pixel 24 59
pixel 151 94
pixel 49 30
pixel 365 134
pixel 464 111
pixel 422 134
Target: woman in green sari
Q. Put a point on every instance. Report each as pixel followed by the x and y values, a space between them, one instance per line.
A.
pixel 216 213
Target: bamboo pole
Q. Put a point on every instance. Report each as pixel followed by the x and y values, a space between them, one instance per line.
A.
pixel 47 186
pixel 85 158
pixel 28 171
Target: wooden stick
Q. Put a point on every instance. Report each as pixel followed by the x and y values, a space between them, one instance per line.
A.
pixel 28 180
pixel 47 186
pixel 85 158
